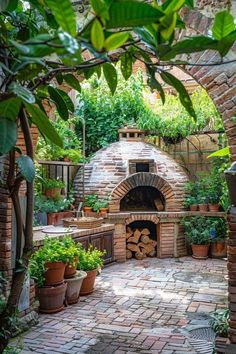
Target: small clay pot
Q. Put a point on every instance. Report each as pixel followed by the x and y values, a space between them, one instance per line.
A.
pixel 219 249
pixel 214 207
pixel 193 207
pixel 200 251
pixel 88 209
pixel 103 212
pixel 70 270
pixel 54 274
pixel 53 193
pixel 74 286
pixel 88 282
pixel 51 298
pixel 203 207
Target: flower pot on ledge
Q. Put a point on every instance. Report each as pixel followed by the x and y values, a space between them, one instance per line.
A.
pixel 200 251
pixel 193 207
pixel 203 207
pixel 214 207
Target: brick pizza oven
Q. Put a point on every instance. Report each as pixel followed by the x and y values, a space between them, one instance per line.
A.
pixel 146 190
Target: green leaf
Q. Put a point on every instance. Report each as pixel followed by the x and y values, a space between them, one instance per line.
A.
pixel 4 4
pixel 183 93
pixel 116 40
pixel 12 5
pixel 64 15
pixel 69 42
pixel 126 65
pixel 223 25
pixel 26 167
pixel 110 76
pixel 67 99
pixel 72 81
pixel 155 85
pixel 220 153
pixel 44 125
pixel 8 135
pixel 169 23
pixel 22 92
pixel 10 108
pixel 22 48
pixel 59 102
pixel 132 13
pixel 191 45
pixel 172 5
pixel 189 3
pixel 97 35
pixel 225 44
pixel 101 7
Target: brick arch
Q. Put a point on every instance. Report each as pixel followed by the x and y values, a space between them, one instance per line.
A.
pixel 144 179
pixel 141 217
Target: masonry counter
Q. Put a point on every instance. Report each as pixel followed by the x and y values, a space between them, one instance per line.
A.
pixel 99 237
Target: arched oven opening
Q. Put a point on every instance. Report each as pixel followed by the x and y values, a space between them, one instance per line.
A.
pixel 143 198
pixel 141 239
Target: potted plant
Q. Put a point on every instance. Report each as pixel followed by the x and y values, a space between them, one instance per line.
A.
pixel 74 286
pixel 47 268
pixel 219 236
pixel 191 203
pixel 73 250
pixel 53 187
pixel 101 206
pixel 90 261
pixel 90 201
pixel 197 233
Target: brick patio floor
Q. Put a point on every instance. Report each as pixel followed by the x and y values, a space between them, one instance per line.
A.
pixel 147 306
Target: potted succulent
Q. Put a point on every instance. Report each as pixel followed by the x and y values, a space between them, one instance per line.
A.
pixel 90 201
pixel 219 238
pixel 197 233
pixel 53 188
pixel 90 261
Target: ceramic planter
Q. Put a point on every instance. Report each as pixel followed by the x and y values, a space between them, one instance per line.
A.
pixel 54 274
pixel 214 207
pixel 200 251
pixel 53 193
pixel 88 282
pixel 203 207
pixel 193 207
pixel 70 270
pixel 51 298
pixel 219 249
pixel 74 286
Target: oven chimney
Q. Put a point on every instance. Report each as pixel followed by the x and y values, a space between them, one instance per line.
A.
pixel 131 134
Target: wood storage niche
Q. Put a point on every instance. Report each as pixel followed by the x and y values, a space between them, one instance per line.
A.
pixel 141 240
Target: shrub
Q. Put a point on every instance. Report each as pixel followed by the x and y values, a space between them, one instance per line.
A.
pixel 220 322
pixel 90 259
pixel 197 229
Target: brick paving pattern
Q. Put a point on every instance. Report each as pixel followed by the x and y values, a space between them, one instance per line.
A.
pixel 147 306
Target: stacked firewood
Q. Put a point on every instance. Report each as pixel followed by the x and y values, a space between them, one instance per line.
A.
pixel 139 244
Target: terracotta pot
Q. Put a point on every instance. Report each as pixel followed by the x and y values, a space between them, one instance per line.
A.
pixel 51 298
pixel 203 207
pixel 88 209
pixel 53 193
pixel 219 249
pixel 74 286
pixel 200 251
pixel 54 274
pixel 88 283
pixel 193 207
pixel 70 270
pixel 103 212
pixel 57 218
pixel 214 207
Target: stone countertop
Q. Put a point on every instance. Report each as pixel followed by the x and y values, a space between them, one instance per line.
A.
pixel 39 232
pixel 164 214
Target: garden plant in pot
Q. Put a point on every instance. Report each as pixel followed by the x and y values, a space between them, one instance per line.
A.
pixel 219 238
pixel 90 201
pixel 191 201
pixel 101 207
pixel 53 188
pixel 197 233
pixel 90 261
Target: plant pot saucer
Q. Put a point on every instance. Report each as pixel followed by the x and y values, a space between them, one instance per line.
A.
pixel 197 257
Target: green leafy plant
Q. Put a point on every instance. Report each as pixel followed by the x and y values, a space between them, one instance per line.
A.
pixel 47 205
pixel 190 200
pixel 90 200
pixel 90 259
pixel 53 250
pixel 219 225
pixel 220 322
pixel 197 229
pixel 100 203
pixel 53 183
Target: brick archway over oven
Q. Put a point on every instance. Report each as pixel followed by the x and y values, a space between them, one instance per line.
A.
pixel 173 199
pixel 142 217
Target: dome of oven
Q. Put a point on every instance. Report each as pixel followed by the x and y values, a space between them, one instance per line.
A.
pixel 112 167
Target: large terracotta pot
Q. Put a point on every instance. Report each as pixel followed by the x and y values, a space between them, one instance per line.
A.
pixel 51 298
pixel 70 270
pixel 74 286
pixel 193 207
pixel 200 251
pixel 88 283
pixel 54 274
pixel 214 207
pixel 219 249
pixel 203 207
